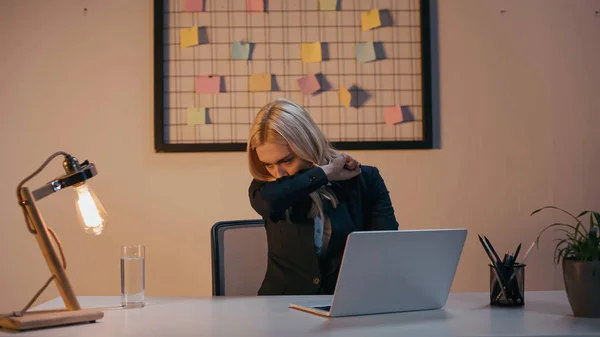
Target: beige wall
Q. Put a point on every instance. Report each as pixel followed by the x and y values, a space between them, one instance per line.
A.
pixel 519 119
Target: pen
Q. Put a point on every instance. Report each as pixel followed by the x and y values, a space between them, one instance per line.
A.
pixel 495 267
pixel 514 274
pixel 517 252
pixel 492 249
pixel 522 262
pixel 512 286
pixel 510 268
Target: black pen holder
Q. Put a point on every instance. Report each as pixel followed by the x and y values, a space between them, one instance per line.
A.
pixel 507 285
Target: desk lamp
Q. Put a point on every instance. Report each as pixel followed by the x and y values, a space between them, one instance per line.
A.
pixel 91 216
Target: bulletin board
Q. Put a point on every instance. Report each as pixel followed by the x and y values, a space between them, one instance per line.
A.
pixel 360 68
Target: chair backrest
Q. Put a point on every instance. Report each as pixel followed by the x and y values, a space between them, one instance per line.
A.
pixel 239 257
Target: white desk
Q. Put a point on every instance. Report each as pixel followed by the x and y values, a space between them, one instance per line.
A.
pixel 466 314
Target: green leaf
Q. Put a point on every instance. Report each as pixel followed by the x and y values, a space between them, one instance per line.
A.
pixel 554 207
pixel 578 242
pixel 597 217
pixel 582 214
pixel 561 241
pixel 571 215
pixel 577 229
pixel 567 233
pixel 593 216
pixel 561 224
pixel 558 253
pixel 568 252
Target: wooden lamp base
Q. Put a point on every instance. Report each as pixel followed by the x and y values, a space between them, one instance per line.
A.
pixel 50 318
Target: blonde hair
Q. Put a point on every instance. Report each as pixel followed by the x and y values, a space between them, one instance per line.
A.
pixel 285 122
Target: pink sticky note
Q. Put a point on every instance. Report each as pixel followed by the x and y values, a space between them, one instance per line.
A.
pixel 392 115
pixel 193 5
pixel 255 5
pixel 208 84
pixel 309 84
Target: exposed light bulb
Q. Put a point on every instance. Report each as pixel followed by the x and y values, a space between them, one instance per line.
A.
pixel 91 213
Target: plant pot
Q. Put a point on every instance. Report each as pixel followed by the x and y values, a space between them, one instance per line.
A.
pixel 582 283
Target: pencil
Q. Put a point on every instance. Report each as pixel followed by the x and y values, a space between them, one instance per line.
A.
pixel 497 272
pixel 527 252
pixel 517 253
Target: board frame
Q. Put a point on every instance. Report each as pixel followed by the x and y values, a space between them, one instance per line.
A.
pixel 426 91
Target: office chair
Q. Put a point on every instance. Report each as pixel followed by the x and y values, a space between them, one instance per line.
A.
pixel 239 257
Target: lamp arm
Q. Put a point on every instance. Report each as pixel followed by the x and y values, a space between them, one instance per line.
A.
pixel 36 172
pixel 44 235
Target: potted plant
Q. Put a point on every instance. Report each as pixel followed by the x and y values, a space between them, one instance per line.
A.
pixel 579 251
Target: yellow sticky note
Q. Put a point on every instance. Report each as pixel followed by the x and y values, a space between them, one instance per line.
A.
pixel 196 116
pixel 311 52
pixel 327 5
pixel 370 19
pixel 188 36
pixel 345 97
pixel 260 82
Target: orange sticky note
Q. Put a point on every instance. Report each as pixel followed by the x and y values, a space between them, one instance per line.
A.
pixel 345 97
pixel 196 116
pixel 370 19
pixel 260 82
pixel 311 52
pixel 255 5
pixel 188 36
pixel 208 84
pixel 393 115
pixel 193 5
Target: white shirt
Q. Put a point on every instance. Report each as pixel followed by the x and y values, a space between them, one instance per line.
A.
pixel 322 234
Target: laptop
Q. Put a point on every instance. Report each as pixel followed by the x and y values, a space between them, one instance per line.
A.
pixel 393 271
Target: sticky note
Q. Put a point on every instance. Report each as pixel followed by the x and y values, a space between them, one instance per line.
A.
pixel 255 6
pixel 327 5
pixel 188 36
pixel 365 52
pixel 208 84
pixel 311 52
pixel 345 97
pixel 309 84
pixel 370 19
pixel 193 5
pixel 392 115
pixel 196 116
pixel 240 50
pixel 260 82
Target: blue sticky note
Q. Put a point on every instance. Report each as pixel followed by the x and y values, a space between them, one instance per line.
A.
pixel 365 52
pixel 240 50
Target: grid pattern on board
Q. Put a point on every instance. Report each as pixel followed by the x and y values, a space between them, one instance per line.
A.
pixel 275 36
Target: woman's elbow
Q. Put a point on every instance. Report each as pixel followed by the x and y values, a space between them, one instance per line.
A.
pixel 267 209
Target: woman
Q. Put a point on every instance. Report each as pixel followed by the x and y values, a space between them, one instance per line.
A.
pixel 310 197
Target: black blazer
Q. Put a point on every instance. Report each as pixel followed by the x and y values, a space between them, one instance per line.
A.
pixel 293 266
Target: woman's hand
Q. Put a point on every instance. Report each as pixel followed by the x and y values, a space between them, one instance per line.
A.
pixel 343 167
